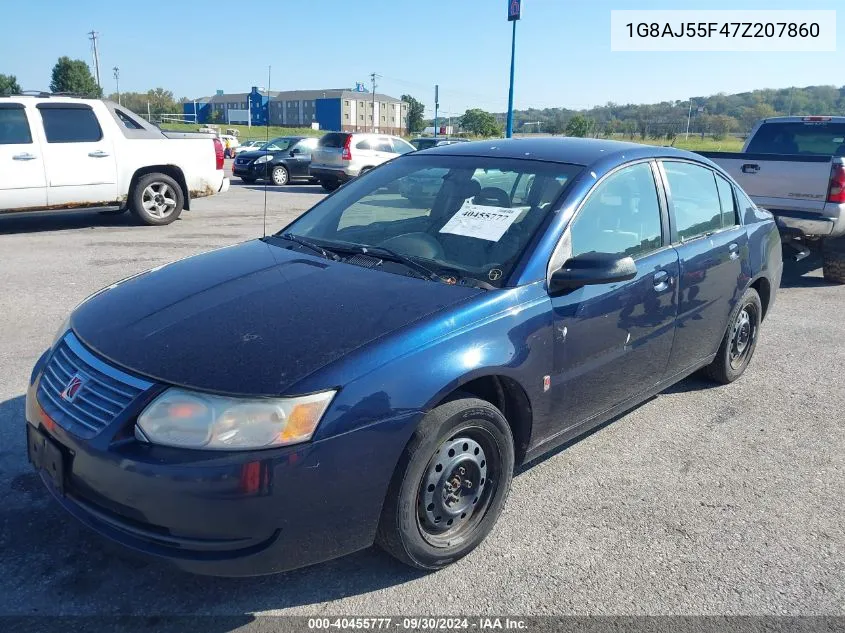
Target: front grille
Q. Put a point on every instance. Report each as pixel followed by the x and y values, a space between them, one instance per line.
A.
pixel 104 392
pixel 241 161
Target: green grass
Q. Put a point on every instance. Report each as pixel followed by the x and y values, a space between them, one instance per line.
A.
pixel 246 133
pixel 697 144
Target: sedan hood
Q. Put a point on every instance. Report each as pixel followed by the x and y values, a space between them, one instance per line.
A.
pixel 251 319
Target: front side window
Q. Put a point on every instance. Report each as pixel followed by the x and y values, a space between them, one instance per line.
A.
pixel 621 215
pixel 278 144
pixel 14 128
pixel 434 209
pixel 70 125
pixel 695 199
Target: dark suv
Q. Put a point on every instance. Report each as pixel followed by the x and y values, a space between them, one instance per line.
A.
pixel 281 160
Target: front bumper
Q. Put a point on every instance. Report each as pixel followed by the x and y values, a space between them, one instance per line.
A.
pixel 225 513
pixel 250 170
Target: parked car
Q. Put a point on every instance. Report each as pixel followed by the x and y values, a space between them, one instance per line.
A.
pixel 369 374
pixel 282 160
pixel 427 142
pixel 342 156
pixel 248 146
pixel 795 168
pixel 67 153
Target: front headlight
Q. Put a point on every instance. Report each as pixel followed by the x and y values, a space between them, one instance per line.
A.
pixel 263 159
pixel 197 420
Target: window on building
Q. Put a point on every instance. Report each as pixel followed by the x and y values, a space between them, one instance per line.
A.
pixel 361 117
pixel 346 116
pixel 346 103
pixel 361 104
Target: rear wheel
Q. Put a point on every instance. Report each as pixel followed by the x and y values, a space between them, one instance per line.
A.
pixel 450 485
pixel 156 199
pixel 329 185
pixel 833 260
pixel 740 340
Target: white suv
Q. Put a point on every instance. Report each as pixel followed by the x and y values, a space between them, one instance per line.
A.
pixel 342 156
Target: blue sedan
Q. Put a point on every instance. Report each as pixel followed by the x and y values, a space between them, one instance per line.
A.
pixel 375 371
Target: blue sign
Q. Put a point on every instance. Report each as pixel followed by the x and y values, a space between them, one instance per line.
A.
pixel 514 9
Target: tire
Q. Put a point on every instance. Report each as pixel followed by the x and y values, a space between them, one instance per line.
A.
pixel 156 199
pixel 280 176
pixel 734 355
pixel 416 520
pixel 833 260
pixel 248 181
pixel 330 185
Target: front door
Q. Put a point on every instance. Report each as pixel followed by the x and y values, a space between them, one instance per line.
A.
pixel 300 159
pixel 714 259
pixel 613 341
pixel 79 158
pixel 23 184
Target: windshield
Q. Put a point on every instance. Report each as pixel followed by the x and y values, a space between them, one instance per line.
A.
pixel 278 144
pixel 821 138
pixel 460 216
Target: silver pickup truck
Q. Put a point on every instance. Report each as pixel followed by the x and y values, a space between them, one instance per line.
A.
pixel 795 168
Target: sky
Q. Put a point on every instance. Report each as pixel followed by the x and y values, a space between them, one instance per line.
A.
pixel 563 49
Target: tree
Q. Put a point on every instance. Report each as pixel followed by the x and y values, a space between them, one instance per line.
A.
pixel 578 126
pixel 415 114
pixel 480 123
pixel 74 76
pixel 9 85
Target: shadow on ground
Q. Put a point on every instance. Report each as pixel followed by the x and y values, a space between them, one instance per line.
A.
pixel 35 222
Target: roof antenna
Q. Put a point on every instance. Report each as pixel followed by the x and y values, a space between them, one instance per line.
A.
pixel 267 137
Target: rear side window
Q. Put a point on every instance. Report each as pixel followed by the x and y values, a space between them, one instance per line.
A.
pixel 365 144
pixel 621 216
pixel 128 121
pixel 695 199
pixel 819 138
pixel 401 147
pixel 14 128
pixel 384 145
pixel 70 125
pixel 334 140
pixel 726 199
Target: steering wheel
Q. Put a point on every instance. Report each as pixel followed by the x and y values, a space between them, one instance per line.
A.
pixel 416 245
pixel 499 197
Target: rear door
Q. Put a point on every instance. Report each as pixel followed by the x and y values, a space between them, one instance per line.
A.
pixel 23 183
pixel 79 158
pixel 713 252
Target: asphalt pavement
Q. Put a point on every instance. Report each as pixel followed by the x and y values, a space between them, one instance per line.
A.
pixel 704 500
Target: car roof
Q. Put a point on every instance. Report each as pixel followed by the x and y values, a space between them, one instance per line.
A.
pixel 575 151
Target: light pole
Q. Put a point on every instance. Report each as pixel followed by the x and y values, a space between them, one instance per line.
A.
pixel 117 81
pixel 514 13
pixel 689 116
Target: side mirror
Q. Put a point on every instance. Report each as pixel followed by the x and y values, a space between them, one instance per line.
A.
pixel 295 151
pixel 590 269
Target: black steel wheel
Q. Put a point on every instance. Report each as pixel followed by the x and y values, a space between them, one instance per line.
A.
pixel 740 340
pixel 450 485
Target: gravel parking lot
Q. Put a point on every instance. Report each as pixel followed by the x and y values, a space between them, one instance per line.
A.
pixel 704 500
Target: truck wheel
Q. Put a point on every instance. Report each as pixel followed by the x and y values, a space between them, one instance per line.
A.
pixel 156 199
pixel 740 340
pixel 450 485
pixel 330 185
pixel 833 260
pixel 280 176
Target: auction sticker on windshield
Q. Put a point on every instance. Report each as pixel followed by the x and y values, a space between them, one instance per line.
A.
pixel 481 221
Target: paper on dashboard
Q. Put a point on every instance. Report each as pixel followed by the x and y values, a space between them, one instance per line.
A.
pixel 481 221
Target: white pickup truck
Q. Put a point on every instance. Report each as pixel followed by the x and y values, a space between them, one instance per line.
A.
pixel 60 153
pixel 794 167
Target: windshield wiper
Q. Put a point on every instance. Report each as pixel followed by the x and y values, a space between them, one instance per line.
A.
pixel 308 244
pixel 389 254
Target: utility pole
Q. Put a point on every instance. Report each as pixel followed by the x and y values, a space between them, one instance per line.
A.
pixel 514 14
pixel 436 107
pixel 117 81
pixel 93 35
pixel 689 116
pixel 373 77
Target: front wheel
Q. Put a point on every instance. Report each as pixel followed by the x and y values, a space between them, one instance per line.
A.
pixel 279 176
pixel 156 199
pixel 740 340
pixel 450 485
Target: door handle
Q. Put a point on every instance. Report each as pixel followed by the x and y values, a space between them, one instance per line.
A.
pixel 750 168
pixel 734 249
pixel 98 154
pixel 661 280
pixel 24 156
